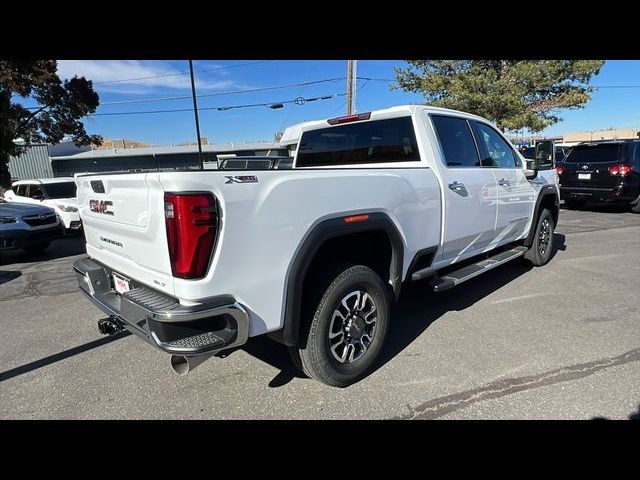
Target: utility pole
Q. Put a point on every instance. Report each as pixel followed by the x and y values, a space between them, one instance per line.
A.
pixel 195 111
pixel 352 77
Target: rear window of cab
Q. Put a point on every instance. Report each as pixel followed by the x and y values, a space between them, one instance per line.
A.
pixel 376 141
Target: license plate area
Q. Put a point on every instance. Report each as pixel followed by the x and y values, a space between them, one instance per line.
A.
pixel 584 176
pixel 120 283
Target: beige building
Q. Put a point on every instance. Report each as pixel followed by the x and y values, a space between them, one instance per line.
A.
pixel 611 134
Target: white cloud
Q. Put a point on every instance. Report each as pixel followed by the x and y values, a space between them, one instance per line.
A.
pixel 109 70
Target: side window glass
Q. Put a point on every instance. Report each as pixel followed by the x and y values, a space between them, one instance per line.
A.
pixel 456 140
pixel 35 192
pixel 495 151
pixel 21 190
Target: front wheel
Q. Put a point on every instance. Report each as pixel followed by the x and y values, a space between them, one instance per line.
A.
pixel 348 328
pixel 540 251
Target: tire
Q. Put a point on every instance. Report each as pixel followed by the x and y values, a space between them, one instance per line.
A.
pixel 37 247
pixel 540 251
pixel 635 208
pixel 574 204
pixel 356 341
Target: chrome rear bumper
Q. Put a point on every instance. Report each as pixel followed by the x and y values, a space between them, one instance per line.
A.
pixel 216 324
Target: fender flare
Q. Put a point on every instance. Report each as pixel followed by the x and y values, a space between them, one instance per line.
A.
pixel 313 240
pixel 546 191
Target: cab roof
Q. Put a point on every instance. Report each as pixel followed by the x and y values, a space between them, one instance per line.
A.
pixel 292 134
pixel 44 181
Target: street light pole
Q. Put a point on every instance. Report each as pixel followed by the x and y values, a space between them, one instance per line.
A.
pixel 349 85
pixel 195 111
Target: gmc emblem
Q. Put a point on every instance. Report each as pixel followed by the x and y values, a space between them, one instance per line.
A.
pixel 101 206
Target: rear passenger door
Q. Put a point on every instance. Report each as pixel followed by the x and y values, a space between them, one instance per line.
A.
pixel 470 207
pixel 516 196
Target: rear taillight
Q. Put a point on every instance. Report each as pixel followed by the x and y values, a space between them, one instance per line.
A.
pixel 620 170
pixel 560 169
pixel 192 221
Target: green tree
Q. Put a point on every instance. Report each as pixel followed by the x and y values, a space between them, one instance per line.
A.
pixel 514 94
pixel 61 106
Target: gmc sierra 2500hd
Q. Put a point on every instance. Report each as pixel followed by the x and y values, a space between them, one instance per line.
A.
pixel 196 262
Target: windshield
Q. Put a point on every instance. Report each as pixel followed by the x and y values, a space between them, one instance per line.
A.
pixel 60 190
pixel 594 153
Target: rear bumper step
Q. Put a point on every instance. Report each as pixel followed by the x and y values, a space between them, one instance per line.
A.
pixel 456 277
pixel 216 324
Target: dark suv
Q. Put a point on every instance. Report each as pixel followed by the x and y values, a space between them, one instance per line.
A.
pixel 601 172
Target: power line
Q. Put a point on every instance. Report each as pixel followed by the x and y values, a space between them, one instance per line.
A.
pixel 345 103
pixel 284 122
pixel 183 72
pixel 274 105
pixel 217 94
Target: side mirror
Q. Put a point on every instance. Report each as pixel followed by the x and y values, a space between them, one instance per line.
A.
pixel 545 158
pixel 530 173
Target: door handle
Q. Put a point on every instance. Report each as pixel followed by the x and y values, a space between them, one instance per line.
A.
pixel 457 186
pixel 503 182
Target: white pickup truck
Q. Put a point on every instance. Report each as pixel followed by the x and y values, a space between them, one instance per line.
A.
pixel 196 262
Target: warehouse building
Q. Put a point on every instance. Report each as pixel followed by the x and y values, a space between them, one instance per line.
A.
pixel 610 134
pixel 35 160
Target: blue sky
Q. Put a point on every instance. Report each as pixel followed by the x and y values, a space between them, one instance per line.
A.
pixel 609 107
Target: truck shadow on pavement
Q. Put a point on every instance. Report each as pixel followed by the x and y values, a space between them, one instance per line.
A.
pixel 633 416
pixel 56 357
pixel 417 308
pixel 8 275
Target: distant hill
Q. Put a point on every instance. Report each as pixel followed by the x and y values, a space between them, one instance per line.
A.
pixel 108 144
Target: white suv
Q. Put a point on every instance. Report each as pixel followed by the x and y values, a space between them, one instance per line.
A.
pixel 57 193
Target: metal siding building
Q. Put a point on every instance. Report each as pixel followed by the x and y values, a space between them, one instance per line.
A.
pixel 34 162
pixel 68 166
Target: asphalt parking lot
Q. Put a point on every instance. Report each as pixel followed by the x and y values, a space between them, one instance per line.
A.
pixel 558 342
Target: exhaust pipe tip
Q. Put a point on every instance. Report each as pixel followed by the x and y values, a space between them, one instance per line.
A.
pixel 182 364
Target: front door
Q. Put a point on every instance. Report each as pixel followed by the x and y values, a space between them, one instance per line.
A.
pixel 516 197
pixel 470 206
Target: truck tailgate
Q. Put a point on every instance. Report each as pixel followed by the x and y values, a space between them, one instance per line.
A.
pixel 124 225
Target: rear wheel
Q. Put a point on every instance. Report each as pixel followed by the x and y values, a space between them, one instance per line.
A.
pixel 348 328
pixel 540 251
pixel 574 204
pixel 635 208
